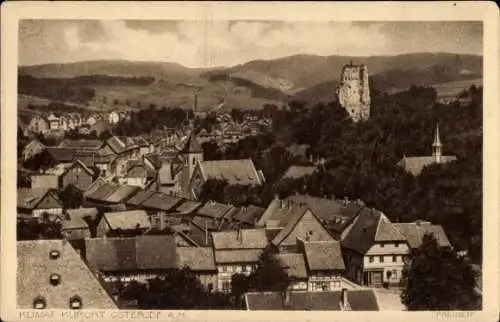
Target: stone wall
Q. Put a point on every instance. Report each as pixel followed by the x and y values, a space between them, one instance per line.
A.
pixel 354 92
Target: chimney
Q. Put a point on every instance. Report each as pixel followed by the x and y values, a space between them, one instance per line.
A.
pixel 240 235
pixel 344 301
pixel 206 234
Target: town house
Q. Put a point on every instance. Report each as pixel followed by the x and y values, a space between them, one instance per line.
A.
pixel 201 261
pixel 31 149
pixel 158 207
pixel 117 223
pixel 39 124
pixel 78 175
pixel 38 203
pixel 374 250
pixel 237 252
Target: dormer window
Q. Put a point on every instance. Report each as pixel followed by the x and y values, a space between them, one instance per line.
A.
pixel 75 302
pixel 39 303
pixel 54 254
pixel 55 279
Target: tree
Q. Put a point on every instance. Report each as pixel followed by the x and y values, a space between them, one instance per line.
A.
pixel 269 275
pixel 71 197
pixel 178 289
pixel 41 161
pixel 435 278
pixel 240 284
pixel 32 230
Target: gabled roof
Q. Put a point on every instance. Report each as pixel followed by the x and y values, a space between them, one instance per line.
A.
pixel 188 207
pixel 110 192
pixel 214 209
pixel 240 239
pixel 291 222
pixel 235 172
pixel 324 208
pixel 83 212
pixel 369 228
pixel 249 215
pixel 35 266
pixel 237 256
pixel 121 193
pixel 191 145
pixel 29 198
pixel 127 220
pixel 140 197
pixel 297 171
pixel 120 144
pixel 323 256
pixel 415 165
pixel 415 231
pixel 358 300
pixel 197 258
pixel 161 201
pixel 74 222
pixel 155 160
pixel 294 265
pixel 82 144
pixel 78 163
pixel 131 254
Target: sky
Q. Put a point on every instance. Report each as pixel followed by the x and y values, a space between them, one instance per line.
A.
pixel 227 43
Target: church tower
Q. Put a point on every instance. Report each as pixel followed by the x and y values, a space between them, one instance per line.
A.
pixel 437 146
pixel 192 153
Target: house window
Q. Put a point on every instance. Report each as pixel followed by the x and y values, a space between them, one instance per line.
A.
pixel 370 258
pixel 75 302
pixel 397 244
pixel 224 269
pixel 39 303
pixel 382 245
pixel 394 274
pixel 381 259
pixel 226 286
pixel 55 279
pixel 318 286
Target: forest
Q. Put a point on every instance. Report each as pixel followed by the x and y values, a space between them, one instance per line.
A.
pixel 361 160
pixel 76 89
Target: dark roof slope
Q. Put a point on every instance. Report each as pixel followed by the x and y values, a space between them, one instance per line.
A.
pixel 358 300
pixel 323 255
pixel 129 254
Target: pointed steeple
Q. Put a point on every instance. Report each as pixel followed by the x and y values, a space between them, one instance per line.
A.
pixel 437 140
pixel 192 145
pixel 437 146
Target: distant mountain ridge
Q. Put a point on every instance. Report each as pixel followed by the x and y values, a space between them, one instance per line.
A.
pixel 249 85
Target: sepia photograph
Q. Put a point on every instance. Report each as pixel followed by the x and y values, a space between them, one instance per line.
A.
pixel 249 164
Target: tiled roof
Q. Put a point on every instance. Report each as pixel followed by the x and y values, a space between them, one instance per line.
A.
pixel 240 239
pixel 129 254
pixel 322 256
pixel 28 198
pixel 209 223
pixel 69 155
pixel 137 171
pixel 415 165
pixel 121 193
pixel 188 207
pixel 126 220
pixel 120 144
pixel 197 258
pixel 214 209
pixel 237 256
pixel 293 264
pixel 83 212
pixel 235 172
pixel 249 214
pixel 79 163
pixel 368 228
pixel 161 201
pixel 324 208
pixel 297 171
pixel 289 224
pixel 35 266
pixel 358 300
pixel 74 222
pixel 140 197
pixel 414 232
pixel 81 144
pixel 191 145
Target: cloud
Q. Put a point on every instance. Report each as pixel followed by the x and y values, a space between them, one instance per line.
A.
pixel 222 43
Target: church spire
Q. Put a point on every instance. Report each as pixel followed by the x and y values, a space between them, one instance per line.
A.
pixel 437 146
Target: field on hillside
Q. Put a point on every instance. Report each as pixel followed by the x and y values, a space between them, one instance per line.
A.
pixel 455 87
